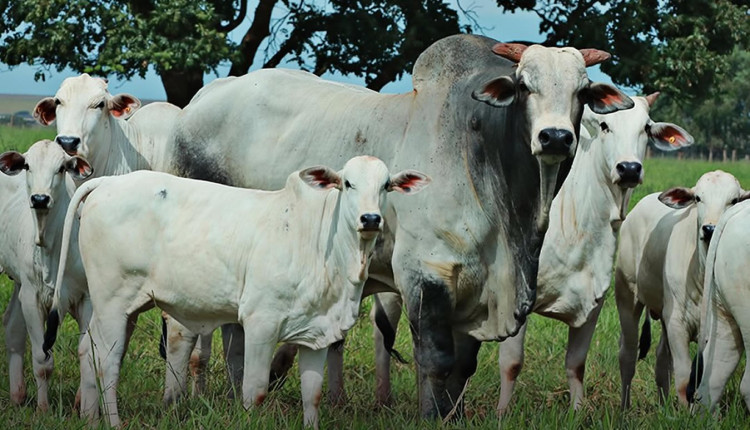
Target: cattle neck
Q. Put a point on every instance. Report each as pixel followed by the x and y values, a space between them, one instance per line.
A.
pixel 112 151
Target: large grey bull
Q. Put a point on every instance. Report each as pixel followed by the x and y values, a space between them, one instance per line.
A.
pixel 489 122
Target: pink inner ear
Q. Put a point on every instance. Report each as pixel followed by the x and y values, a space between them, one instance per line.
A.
pixel 678 195
pixel 408 182
pixel 673 137
pixel 321 178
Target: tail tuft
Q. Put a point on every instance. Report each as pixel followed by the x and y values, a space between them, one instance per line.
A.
pixel 696 374
pixel 163 340
pixel 645 341
pixel 389 335
pixel 50 335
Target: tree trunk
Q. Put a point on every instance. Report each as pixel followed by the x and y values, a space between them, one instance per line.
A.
pixel 181 85
pixel 258 31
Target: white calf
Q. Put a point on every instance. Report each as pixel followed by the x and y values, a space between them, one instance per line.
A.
pixel 726 328
pixel 288 265
pixel 575 265
pixel 662 253
pixel 32 211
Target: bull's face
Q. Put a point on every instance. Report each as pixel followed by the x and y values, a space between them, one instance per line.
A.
pixel 45 164
pixel 622 138
pixel 364 183
pixel 82 107
pixel 713 194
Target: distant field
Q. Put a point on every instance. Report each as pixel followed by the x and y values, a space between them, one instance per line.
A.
pixel 540 401
pixel 12 103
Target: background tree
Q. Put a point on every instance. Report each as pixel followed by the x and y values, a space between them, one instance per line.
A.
pixel 183 39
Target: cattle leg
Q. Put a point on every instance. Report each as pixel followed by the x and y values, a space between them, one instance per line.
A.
pixel 199 360
pixel 104 347
pixel 679 343
pixel 260 341
pixel 387 306
pixel 663 368
pixel 629 311
pixel 579 342
pixel 466 349
pixel 15 344
pixel 720 358
pixel 180 344
pixel 283 360
pixel 429 309
pixel 43 365
pixel 311 367
pixel 510 360
pixel 82 314
pixel 233 338
pixel 336 392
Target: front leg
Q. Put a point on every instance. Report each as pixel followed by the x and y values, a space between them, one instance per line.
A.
pixel 260 340
pixel 233 339
pixel 180 344
pixel 510 359
pixel 15 344
pixel 34 315
pixel 311 367
pixel 579 342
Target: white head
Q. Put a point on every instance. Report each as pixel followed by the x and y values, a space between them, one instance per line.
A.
pixel 82 107
pixel 624 135
pixel 552 85
pixel 712 195
pixel 364 183
pixel 45 164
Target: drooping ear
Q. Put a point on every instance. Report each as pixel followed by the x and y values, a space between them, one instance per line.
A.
pixel 409 182
pixel 510 51
pixel 12 162
pixel 668 137
pixel 605 98
pixel 593 57
pixel 499 92
pixel 678 197
pixel 123 105
pixel 651 98
pixel 78 168
pixel 44 111
pixel 321 177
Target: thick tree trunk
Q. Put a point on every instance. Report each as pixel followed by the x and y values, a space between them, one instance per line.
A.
pixel 181 85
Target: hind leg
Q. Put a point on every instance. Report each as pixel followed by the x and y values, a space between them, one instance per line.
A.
pixel 579 342
pixel 336 392
pixel 180 344
pixel 385 314
pixel 629 311
pixel 199 360
pixel 720 358
pixel 663 367
pixel 15 344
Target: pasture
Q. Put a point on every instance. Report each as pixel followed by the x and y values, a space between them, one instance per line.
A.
pixel 540 400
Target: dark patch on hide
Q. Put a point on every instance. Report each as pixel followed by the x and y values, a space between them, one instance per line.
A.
pixel 192 161
pixel 162 194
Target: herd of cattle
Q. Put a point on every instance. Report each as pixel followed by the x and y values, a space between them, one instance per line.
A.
pixel 486 221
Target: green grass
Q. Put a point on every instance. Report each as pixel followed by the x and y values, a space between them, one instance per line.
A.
pixel 19 139
pixel 540 401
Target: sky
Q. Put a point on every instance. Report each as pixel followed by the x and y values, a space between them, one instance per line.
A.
pixel 495 24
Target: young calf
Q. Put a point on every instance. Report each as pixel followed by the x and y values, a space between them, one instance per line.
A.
pixel 575 265
pixel 662 254
pixel 288 265
pixel 32 211
pixel 726 328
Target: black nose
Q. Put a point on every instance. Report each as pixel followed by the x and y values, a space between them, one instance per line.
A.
pixel 40 201
pixel 556 141
pixel 370 221
pixel 708 231
pixel 69 143
pixel 630 173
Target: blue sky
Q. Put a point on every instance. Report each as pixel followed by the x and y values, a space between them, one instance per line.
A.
pixel 495 23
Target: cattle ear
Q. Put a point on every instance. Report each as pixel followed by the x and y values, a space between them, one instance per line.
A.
pixel 78 168
pixel 44 111
pixel 510 51
pixel 321 177
pixel 12 162
pixel 123 105
pixel 678 197
pixel 593 57
pixel 668 137
pixel 408 182
pixel 498 92
pixel 605 98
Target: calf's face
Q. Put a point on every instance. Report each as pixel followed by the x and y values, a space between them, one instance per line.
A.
pixel 45 164
pixel 82 107
pixel 364 183
pixel 713 194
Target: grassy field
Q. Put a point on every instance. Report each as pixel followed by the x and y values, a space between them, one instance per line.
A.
pixel 540 401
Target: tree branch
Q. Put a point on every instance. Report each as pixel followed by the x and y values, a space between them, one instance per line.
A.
pixel 294 42
pixel 234 23
pixel 258 31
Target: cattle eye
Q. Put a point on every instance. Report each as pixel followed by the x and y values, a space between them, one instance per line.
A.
pixel 735 200
pixel 697 199
pixel 347 184
pixel 100 105
pixel 523 87
pixel 57 102
pixel 604 126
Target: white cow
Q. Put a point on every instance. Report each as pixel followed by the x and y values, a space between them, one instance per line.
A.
pixel 32 210
pixel 288 265
pixel 662 254
pixel 575 264
pixel 725 332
